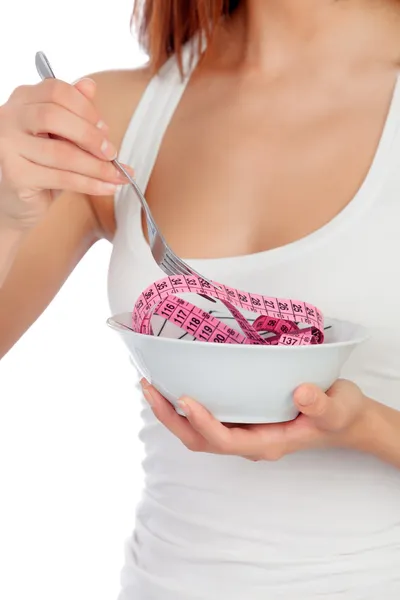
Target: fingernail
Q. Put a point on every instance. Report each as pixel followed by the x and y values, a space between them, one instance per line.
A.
pixel 149 398
pixel 184 406
pixel 108 150
pixel 108 188
pixel 305 397
pixel 84 79
pixel 144 383
pixel 120 175
pixel 102 125
pixel 129 170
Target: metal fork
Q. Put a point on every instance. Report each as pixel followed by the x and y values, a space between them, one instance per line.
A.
pixel 164 256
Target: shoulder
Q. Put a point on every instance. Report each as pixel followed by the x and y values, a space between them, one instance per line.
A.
pixel 118 94
pixel 117 97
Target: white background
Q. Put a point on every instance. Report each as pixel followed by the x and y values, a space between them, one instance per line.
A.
pixel 70 459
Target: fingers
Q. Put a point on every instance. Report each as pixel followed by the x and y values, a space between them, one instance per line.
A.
pixel 330 411
pixel 323 414
pixel 65 156
pixel 53 119
pixel 218 436
pixel 316 405
pixel 311 400
pixel 41 178
pixel 86 86
pixel 76 99
pixel 53 138
pixel 201 432
pixel 234 440
pixel 167 415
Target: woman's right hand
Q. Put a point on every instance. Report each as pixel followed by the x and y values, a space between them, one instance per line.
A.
pixel 34 167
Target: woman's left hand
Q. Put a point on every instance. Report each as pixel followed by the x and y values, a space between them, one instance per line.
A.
pixel 331 419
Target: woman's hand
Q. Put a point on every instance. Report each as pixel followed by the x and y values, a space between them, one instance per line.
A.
pixel 34 167
pixel 332 419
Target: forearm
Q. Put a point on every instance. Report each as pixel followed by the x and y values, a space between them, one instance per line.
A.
pixel 45 259
pixel 10 242
pixel 379 433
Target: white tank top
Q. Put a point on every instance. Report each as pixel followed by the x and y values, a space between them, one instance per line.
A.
pixel 320 524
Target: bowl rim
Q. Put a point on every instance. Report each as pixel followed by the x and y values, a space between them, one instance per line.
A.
pixel 362 336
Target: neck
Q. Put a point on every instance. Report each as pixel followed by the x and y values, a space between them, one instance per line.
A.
pixel 270 35
pixel 291 18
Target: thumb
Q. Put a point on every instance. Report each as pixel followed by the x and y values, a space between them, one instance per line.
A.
pixel 86 86
pixel 325 411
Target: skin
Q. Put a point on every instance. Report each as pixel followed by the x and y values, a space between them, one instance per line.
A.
pixel 308 86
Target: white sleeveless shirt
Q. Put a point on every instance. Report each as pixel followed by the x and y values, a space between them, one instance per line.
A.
pixel 318 524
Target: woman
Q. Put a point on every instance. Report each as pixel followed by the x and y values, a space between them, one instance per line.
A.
pixel 279 151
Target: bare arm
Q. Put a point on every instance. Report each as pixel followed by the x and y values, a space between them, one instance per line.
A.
pixel 379 433
pixel 42 258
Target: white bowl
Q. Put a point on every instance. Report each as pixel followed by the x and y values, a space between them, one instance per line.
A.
pixel 239 383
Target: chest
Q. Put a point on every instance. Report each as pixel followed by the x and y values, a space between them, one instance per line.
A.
pixel 243 172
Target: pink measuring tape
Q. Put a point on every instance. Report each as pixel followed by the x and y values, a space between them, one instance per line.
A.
pixel 279 318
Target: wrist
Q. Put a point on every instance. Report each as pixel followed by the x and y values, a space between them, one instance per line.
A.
pixel 19 226
pixel 17 214
pixel 362 434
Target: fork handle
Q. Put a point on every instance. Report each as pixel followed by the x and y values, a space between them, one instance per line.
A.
pixel 150 221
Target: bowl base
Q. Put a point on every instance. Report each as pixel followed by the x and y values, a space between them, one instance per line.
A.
pixel 290 415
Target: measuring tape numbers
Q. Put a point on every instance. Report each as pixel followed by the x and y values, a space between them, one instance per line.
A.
pixel 279 318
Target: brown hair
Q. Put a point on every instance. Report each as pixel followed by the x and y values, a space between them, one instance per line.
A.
pixel 164 26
